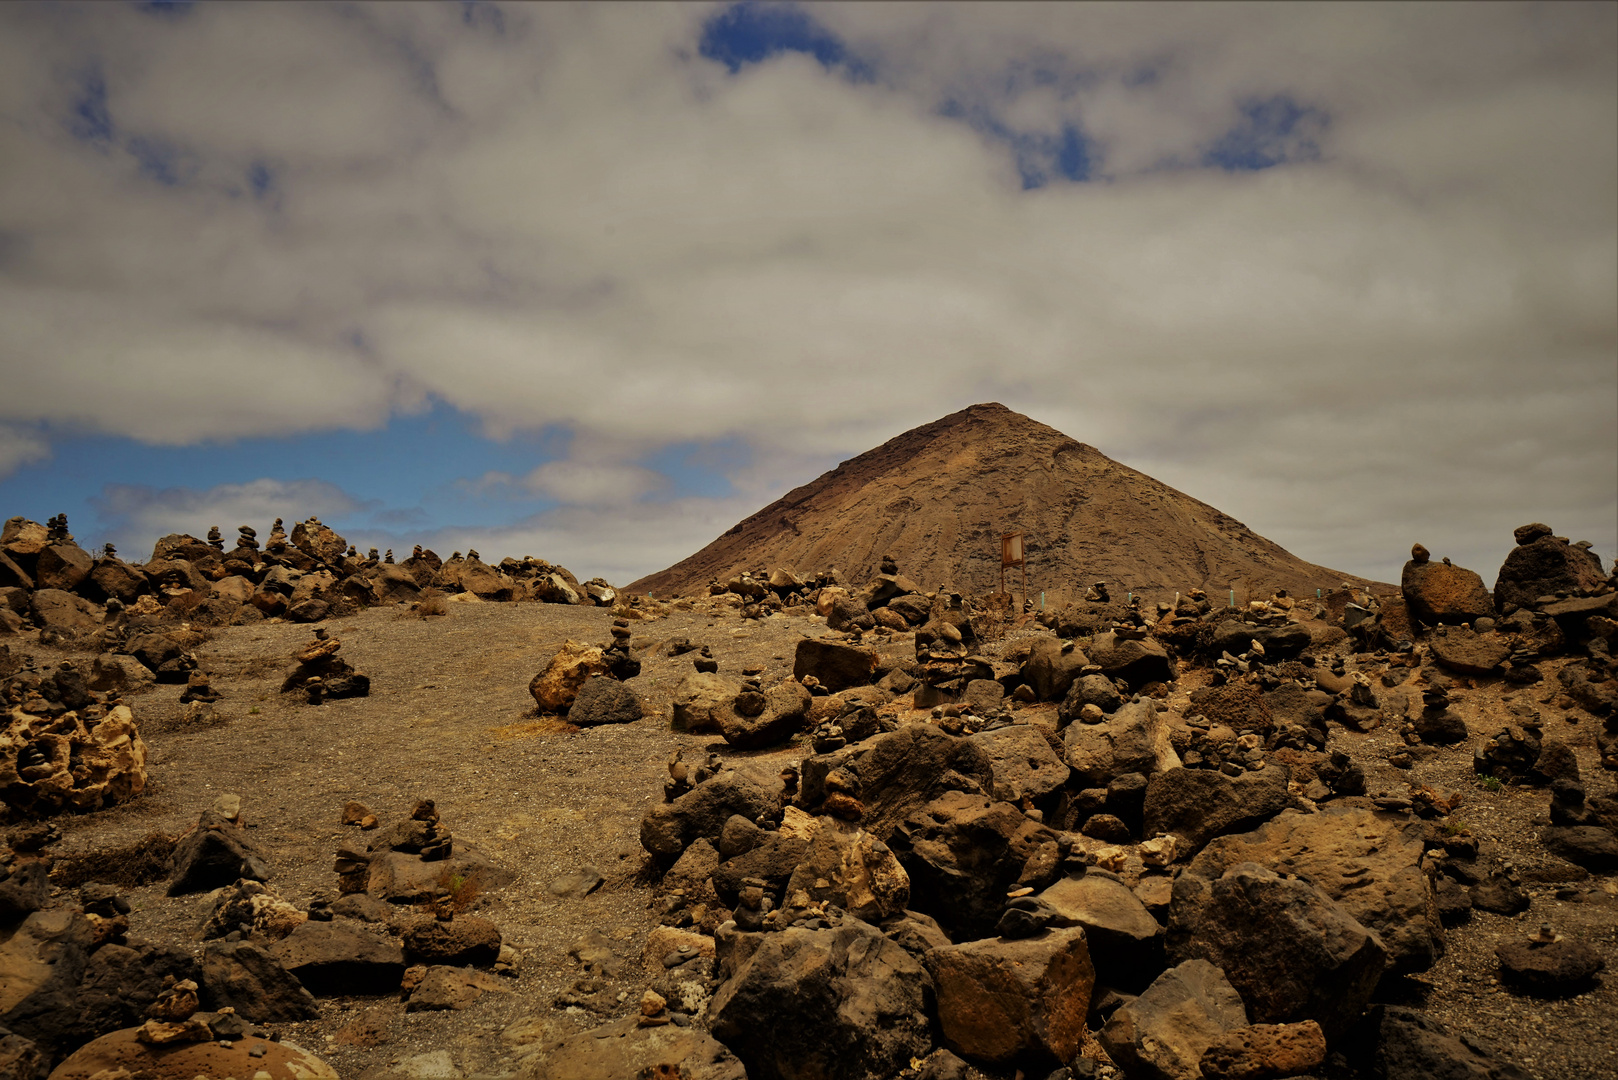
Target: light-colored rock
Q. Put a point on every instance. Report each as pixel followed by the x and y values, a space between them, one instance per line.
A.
pixel 555 688
pixel 1133 739
pixel 849 867
pixel 1369 864
pixel 698 694
pixel 121 1054
pixel 78 765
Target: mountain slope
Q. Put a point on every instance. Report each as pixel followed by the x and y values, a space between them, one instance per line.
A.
pixel 938 497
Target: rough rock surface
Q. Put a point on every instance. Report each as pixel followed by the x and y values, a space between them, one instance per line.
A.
pixel 1287 947
pixel 858 1003
pixel 1163 1034
pixel 1368 863
pixel 70 762
pixel 1019 1001
pixel 623 1048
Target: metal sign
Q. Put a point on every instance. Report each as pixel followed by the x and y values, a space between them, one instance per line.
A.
pixel 1011 550
pixel 1011 555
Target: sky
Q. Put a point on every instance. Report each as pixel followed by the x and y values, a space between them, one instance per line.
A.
pixel 594 282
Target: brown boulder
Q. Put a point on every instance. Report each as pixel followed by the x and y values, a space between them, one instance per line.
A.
pixel 66 614
pixel 1018 1001
pixel 1442 593
pixel 123 1054
pixel 1265 1052
pixel 835 665
pixel 61 566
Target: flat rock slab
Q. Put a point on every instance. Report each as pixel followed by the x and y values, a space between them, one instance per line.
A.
pixel 121 1054
pixel 1551 969
pixel 624 1049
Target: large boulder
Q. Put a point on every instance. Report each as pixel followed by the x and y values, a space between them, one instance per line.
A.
pixel 1097 690
pixel 61 566
pixel 751 791
pixel 847 866
pixel 964 853
pixel 756 719
pixel 837 666
pixel 64 613
pixel 1199 804
pixel 1544 565
pixel 1284 642
pixel 554 689
pixel 1015 1002
pixel 48 766
pixel 216 852
pixel 1442 593
pixel 245 977
pixel 1023 762
pixel 121 981
pixel 604 700
pixel 340 957
pixel 1462 650
pixel 1136 661
pixel 1126 943
pixel 843 1003
pixel 1290 950
pixel 1135 739
pixel 124 1054
pixel 1368 863
pixel 42 963
pixel 626 1048
pixel 1163 1034
pixel 899 773
pixel 698 694
pixel 1411 1045
pixel 1052 667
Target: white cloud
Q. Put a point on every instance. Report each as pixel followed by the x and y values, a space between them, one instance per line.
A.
pixel 589 484
pixel 581 223
pixel 20 447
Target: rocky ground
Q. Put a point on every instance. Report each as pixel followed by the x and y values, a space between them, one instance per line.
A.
pixel 450 718
pixel 1355 821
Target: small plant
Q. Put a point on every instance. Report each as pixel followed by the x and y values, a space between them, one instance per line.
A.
pixel 1456 827
pixel 432 602
pixel 254 711
pixel 1490 783
pixel 457 891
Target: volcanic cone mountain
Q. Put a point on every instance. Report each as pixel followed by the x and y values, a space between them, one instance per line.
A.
pixel 938 497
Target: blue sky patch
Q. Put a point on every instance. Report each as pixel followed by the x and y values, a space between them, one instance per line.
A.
pixel 162 161
pixel 91 120
pixel 165 9
pixel 1271 132
pixel 751 32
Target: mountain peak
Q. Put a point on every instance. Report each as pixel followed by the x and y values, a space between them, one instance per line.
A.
pixel 938 497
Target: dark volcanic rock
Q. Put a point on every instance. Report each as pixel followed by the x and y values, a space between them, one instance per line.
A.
pixel 1291 952
pixel 1544 566
pixel 858 1003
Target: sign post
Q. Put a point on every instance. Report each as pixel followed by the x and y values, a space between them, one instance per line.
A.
pixel 1011 554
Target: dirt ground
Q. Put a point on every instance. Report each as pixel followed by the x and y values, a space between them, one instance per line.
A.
pixel 450 718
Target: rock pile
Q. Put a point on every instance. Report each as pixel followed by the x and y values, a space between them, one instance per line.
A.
pixel 1207 884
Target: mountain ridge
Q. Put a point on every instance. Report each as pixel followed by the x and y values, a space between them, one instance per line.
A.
pixel 938 497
